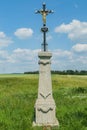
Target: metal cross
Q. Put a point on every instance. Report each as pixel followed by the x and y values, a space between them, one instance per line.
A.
pixel 44 12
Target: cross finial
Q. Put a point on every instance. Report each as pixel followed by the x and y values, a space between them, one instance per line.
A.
pixel 44 12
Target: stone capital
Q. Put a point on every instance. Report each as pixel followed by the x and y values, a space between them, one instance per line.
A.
pixel 44 55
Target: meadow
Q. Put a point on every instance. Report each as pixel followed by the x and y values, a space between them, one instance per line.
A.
pixel 18 94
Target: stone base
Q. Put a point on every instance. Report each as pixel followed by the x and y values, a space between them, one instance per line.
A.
pixel 56 124
pixel 45 105
pixel 45 113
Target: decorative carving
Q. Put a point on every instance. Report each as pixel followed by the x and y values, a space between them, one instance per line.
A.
pixel 45 109
pixel 44 62
pixel 45 96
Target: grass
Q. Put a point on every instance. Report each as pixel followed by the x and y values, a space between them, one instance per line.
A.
pixel 18 94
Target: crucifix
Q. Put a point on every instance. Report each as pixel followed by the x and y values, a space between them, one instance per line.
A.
pixel 44 12
pixel 45 107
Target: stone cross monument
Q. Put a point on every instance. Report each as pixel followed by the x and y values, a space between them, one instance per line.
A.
pixel 45 105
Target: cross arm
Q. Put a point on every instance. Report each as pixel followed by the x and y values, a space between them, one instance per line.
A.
pixel 37 11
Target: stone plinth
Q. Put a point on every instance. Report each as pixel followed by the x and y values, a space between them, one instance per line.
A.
pixel 45 104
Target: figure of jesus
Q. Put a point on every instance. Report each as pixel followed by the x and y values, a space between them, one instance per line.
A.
pixel 44 17
pixel 44 13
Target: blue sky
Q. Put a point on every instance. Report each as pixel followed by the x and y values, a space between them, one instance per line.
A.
pixel 21 39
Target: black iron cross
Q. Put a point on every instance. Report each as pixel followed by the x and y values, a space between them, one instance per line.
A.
pixel 44 12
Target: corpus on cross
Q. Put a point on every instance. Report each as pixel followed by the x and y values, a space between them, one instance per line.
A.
pixel 44 12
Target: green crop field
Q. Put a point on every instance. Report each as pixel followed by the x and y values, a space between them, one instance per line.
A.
pixel 18 94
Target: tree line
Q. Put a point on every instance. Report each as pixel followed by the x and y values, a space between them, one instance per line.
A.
pixel 64 72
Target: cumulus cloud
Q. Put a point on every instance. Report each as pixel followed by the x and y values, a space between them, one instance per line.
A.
pixel 22 55
pixel 64 59
pixel 3 57
pixel 2 35
pixel 4 40
pixel 76 30
pixel 23 33
pixel 21 60
pixel 62 53
pixel 3 54
pixel 80 48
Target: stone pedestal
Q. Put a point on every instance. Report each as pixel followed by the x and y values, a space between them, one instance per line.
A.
pixel 45 105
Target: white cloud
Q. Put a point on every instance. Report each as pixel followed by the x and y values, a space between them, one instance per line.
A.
pixel 62 53
pixel 2 35
pixel 80 48
pixel 64 60
pixel 3 54
pixel 23 33
pixel 21 60
pixel 22 55
pixel 3 58
pixel 76 30
pixel 4 40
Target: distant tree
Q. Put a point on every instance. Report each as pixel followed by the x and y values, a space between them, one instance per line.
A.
pixel 64 72
pixel 70 72
pixel 31 72
pixel 83 72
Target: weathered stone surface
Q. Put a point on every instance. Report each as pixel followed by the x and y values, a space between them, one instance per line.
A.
pixel 45 105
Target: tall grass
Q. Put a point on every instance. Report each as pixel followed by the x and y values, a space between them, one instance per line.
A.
pixel 18 94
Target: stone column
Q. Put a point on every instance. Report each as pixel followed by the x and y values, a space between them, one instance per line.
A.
pixel 45 105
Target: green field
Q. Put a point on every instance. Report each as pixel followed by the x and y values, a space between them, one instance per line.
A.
pixel 18 94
